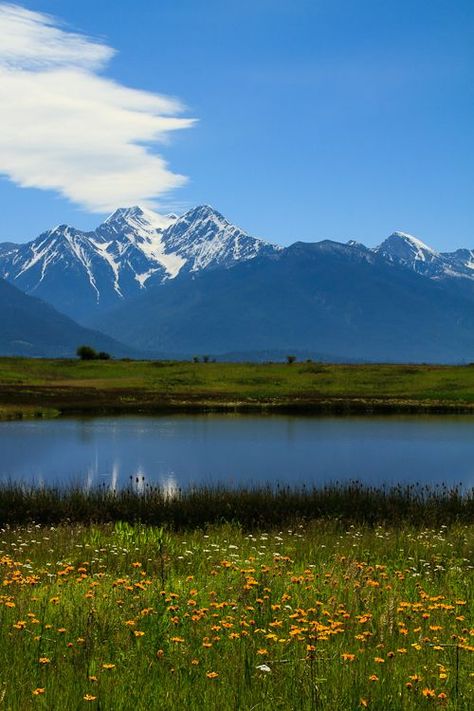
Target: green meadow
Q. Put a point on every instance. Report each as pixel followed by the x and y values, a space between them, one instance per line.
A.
pixel 30 387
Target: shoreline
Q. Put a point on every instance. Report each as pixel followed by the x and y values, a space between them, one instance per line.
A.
pixel 311 408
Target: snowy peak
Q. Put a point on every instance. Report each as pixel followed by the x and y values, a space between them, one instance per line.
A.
pixel 203 212
pixel 205 239
pixel 203 221
pixel 137 219
pixel 406 250
pixel 134 245
pixel 402 246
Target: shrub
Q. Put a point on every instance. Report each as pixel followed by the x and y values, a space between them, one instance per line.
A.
pixel 86 353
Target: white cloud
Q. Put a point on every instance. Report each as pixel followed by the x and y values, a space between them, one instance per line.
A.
pixel 66 128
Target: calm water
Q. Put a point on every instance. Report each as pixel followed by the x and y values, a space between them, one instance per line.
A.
pixel 211 449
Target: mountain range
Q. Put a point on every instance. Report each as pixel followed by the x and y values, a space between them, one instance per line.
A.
pixel 197 284
pixel 83 273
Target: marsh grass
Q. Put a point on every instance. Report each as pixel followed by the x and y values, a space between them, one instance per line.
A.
pixel 259 507
pixel 318 615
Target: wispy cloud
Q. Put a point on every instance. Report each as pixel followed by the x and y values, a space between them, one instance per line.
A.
pixel 66 128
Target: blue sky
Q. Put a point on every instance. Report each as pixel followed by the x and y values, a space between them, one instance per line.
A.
pixel 314 119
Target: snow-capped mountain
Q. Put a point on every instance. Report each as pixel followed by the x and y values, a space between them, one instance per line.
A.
pixel 81 273
pixel 408 251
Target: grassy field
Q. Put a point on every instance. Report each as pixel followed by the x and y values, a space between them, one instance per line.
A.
pixel 48 387
pixel 323 615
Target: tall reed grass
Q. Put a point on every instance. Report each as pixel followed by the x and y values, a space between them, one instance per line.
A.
pixel 259 507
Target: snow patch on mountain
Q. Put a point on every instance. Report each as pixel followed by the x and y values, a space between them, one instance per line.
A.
pixel 103 251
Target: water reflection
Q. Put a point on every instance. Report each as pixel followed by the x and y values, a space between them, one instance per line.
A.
pixel 114 479
pixel 169 487
pixel 174 452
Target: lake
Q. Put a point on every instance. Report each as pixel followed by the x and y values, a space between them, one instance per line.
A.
pixel 176 451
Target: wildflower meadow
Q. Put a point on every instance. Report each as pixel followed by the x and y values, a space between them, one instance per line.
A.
pixel 318 615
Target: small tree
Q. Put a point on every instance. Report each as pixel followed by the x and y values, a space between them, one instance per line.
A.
pixel 205 359
pixel 290 359
pixel 102 355
pixel 195 359
pixel 86 353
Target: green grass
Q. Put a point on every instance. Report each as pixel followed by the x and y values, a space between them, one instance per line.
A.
pixel 342 617
pixel 67 386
